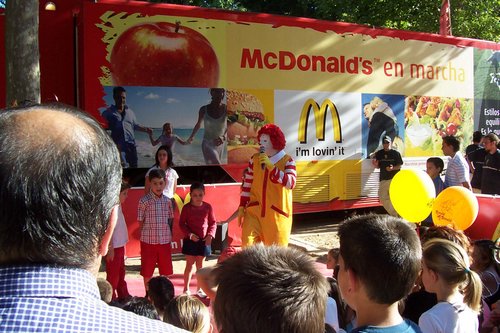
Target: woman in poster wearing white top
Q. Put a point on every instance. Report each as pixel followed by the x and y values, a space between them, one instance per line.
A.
pixel 214 118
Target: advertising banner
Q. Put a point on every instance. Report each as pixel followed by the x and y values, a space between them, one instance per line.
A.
pixel 334 93
pixel 487 91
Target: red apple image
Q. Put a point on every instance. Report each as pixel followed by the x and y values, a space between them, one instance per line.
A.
pixel 163 54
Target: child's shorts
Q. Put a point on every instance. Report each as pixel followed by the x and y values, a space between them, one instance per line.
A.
pixel 152 254
pixel 192 248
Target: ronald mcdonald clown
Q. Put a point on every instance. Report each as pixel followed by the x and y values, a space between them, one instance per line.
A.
pixel 265 211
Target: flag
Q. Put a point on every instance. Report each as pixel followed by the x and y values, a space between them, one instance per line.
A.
pixel 445 19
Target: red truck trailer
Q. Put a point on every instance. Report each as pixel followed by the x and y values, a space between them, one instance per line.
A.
pixel 315 79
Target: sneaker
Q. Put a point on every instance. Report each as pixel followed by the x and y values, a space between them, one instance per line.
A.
pixel 201 293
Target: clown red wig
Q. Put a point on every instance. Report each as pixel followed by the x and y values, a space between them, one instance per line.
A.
pixel 275 134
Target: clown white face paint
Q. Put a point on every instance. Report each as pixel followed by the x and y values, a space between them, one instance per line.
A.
pixel 265 141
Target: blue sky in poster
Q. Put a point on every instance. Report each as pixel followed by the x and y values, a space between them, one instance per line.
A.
pixel 153 106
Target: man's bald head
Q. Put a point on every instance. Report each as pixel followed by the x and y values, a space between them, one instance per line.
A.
pixel 42 130
pixel 42 126
pixel 60 177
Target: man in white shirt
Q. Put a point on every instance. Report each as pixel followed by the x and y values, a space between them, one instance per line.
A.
pixel 457 172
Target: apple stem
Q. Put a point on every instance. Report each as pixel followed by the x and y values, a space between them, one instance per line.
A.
pixel 177 25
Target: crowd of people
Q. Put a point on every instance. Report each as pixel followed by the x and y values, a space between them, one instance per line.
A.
pixel 478 170
pixel 483 157
pixel 61 215
pixel 386 277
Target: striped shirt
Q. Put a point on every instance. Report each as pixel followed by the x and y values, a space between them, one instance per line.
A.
pixel 457 171
pixel 39 298
pixel 287 177
pixel 154 213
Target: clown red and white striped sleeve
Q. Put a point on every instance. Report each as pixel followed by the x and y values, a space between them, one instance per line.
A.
pixel 247 185
pixel 288 177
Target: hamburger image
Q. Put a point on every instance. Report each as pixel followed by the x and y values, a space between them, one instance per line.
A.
pixel 245 118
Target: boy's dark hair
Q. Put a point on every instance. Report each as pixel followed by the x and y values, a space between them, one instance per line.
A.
pixel 270 289
pixel 437 161
pixel 384 252
pixel 157 173
pixel 161 292
pixel 485 249
pixel 477 136
pixel 334 253
pixel 452 141
pixel 105 290
pixel 197 186
pixel 56 206
pixel 141 306
pixel 125 186
pixel 170 161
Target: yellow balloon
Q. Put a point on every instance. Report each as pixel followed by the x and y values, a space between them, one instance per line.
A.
pixel 456 206
pixel 412 193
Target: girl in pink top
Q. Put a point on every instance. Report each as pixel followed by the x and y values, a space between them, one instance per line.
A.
pixel 197 222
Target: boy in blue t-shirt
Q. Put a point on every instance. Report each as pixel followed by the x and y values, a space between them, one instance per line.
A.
pixel 434 168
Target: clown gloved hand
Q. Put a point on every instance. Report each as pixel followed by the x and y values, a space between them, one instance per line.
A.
pixel 241 215
pixel 265 161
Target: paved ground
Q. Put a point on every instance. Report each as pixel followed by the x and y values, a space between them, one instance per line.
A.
pixel 314 233
pixel 317 233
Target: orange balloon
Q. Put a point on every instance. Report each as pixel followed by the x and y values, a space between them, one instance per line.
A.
pixel 456 206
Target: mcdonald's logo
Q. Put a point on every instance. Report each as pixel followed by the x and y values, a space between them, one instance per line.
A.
pixel 179 202
pixel 319 120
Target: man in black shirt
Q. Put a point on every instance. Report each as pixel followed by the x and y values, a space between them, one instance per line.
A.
pixel 389 162
pixel 475 154
pixel 491 168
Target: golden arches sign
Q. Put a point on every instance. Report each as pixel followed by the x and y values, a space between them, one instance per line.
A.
pixel 179 202
pixel 319 120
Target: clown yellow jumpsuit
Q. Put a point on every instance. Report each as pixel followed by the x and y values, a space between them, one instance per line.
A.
pixel 267 198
